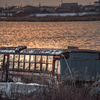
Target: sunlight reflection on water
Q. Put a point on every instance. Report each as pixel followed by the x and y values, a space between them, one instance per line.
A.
pixel 84 35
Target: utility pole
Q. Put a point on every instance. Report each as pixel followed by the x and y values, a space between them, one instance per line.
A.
pixel 39 3
pixel 5 5
pixel 61 2
pixel 99 6
pixel 39 6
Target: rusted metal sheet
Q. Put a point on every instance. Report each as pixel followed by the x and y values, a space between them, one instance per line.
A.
pixel 84 66
pixel 45 51
pixel 71 47
pixel 84 56
pixel 23 50
pixel 42 51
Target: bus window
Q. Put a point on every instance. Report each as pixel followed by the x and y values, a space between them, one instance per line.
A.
pixel 32 66
pixel 27 66
pixel 21 62
pixel 44 59
pixel 38 58
pixel 38 66
pixel 32 58
pixel 11 57
pixel 49 67
pixel 50 59
pixel 1 59
pixel 26 58
pixel 57 66
pixel 32 62
pixel 27 61
pixel 38 62
pixel 5 59
pixel 16 61
pixel 44 67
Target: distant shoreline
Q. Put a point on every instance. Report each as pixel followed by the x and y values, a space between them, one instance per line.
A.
pixel 53 18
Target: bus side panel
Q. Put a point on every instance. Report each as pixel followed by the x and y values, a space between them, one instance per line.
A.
pixel 83 67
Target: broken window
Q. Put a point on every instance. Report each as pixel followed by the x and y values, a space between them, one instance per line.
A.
pixel 37 66
pixel 38 58
pixel 27 66
pixel 49 67
pixel 50 60
pixel 16 61
pixel 21 62
pixel 44 59
pixel 32 58
pixel 57 66
pixel 38 62
pixel 44 63
pixel 32 66
pixel 27 57
pixel 1 59
pixel 5 60
pixel 32 62
pixel 11 58
pixel 43 67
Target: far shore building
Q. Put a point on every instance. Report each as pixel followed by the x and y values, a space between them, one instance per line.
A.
pixel 72 6
pixel 23 10
pixel 47 9
pixel 1 8
pixel 89 8
pixel 27 8
pixel 97 5
pixel 62 10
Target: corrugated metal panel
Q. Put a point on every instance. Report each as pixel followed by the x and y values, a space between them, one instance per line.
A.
pixel 22 49
pixel 86 66
pixel 83 56
pixel 42 51
pixel 97 64
pixel 80 50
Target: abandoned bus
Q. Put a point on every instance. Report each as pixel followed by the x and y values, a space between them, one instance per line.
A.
pixel 65 64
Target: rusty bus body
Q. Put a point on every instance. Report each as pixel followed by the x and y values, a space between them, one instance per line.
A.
pixel 65 64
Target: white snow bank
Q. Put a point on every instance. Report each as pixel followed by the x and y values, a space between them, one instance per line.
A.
pixel 28 84
pixel 64 14
pixel 20 88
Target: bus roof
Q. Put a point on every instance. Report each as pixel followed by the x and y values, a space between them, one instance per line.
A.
pixel 42 51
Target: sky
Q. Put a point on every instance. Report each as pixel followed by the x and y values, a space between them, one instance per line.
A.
pixel 43 2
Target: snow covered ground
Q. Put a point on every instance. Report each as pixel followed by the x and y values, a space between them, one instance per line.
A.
pixel 8 89
pixel 65 14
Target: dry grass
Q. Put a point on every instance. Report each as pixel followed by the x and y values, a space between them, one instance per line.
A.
pixel 55 92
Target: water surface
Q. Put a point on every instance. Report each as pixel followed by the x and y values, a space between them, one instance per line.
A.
pixel 85 35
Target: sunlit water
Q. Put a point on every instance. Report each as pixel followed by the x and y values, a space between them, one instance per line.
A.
pixel 85 35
